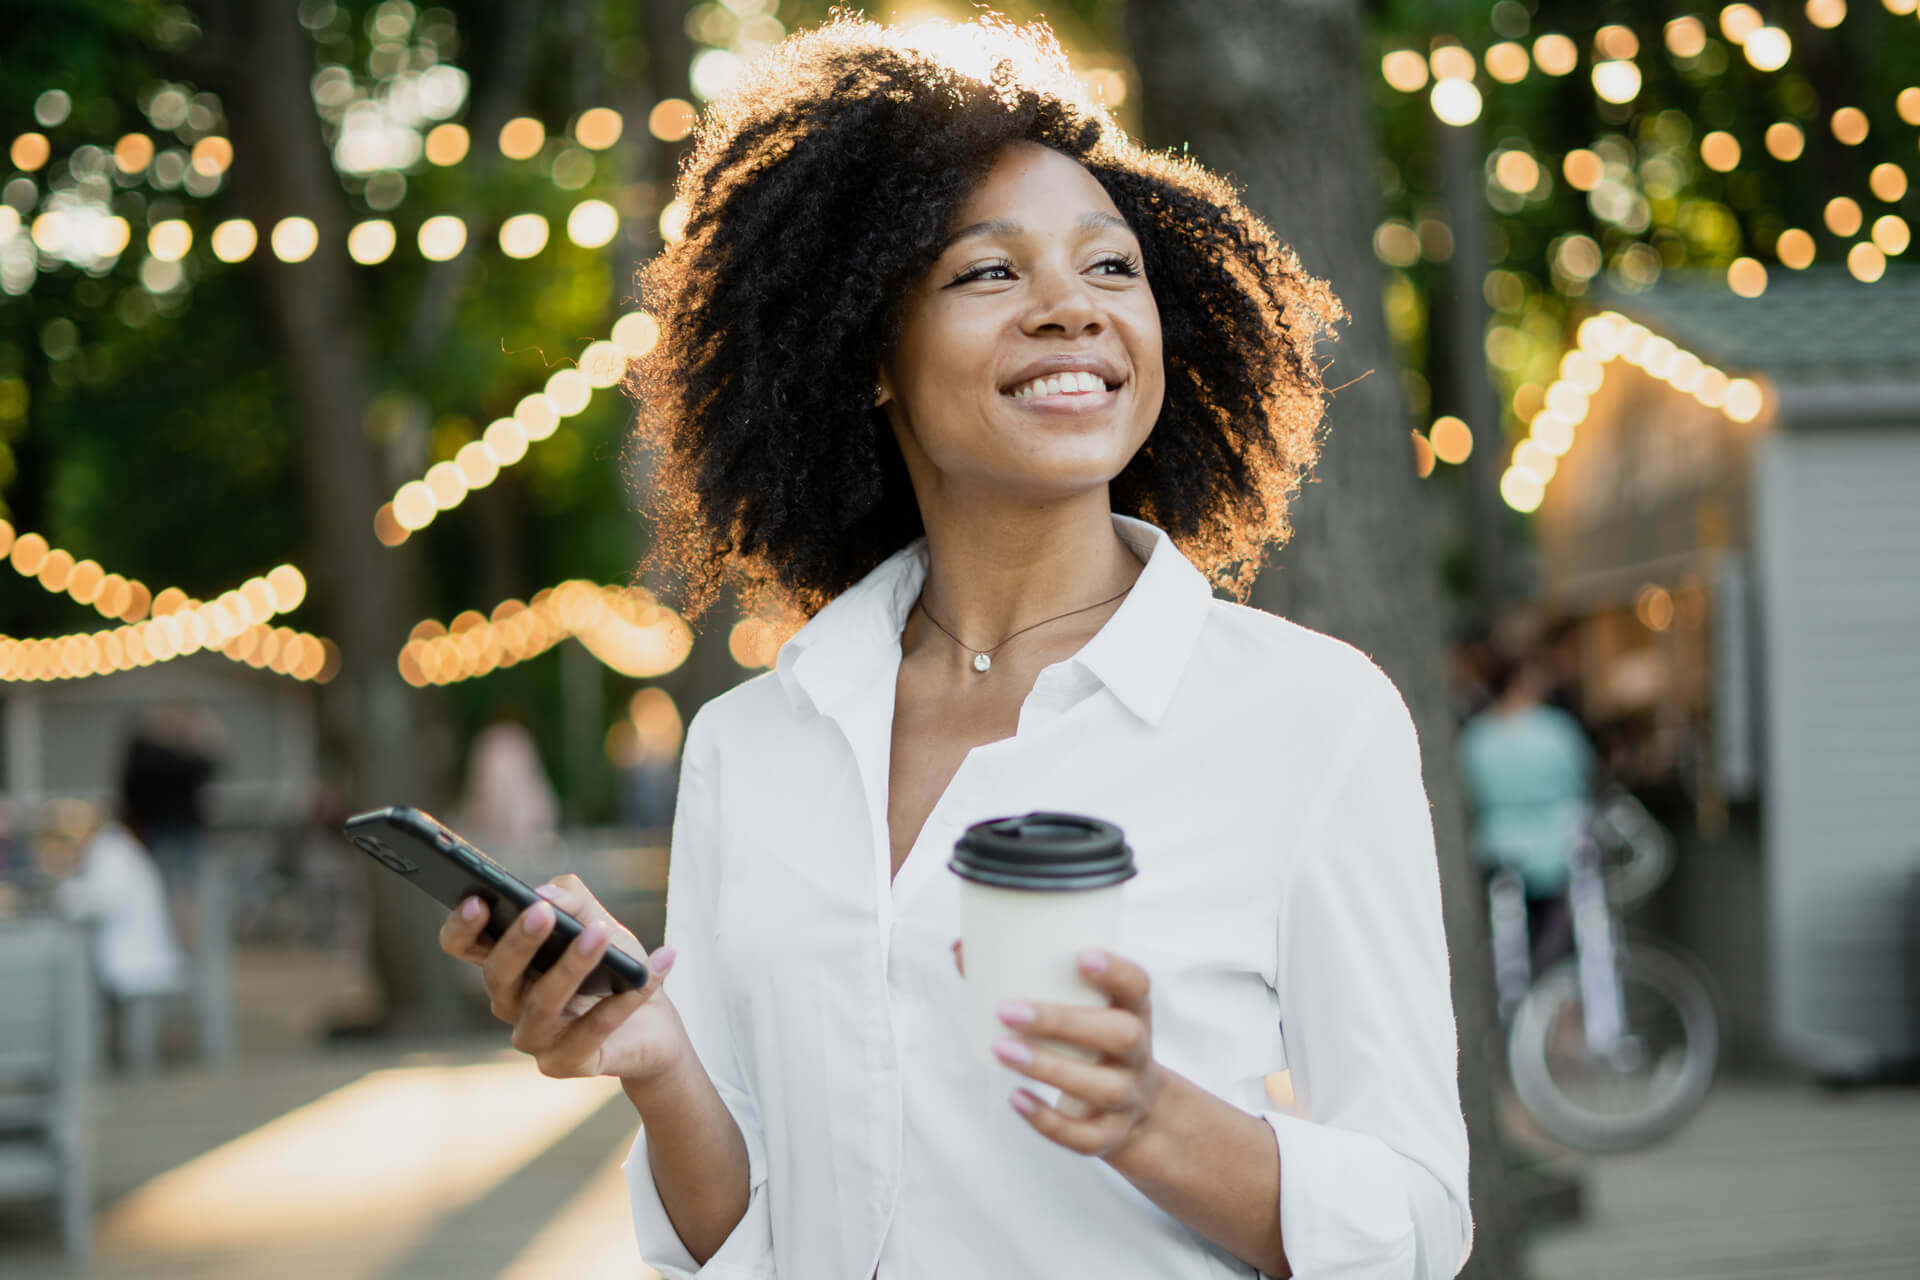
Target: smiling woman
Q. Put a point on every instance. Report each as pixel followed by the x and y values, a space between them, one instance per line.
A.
pixel 824 205
pixel 997 399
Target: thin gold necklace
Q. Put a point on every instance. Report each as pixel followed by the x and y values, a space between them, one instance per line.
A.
pixel 983 658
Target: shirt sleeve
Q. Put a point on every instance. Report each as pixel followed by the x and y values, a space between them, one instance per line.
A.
pixel 1373 1158
pixel 692 887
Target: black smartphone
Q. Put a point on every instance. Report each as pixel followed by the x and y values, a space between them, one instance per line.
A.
pixel 435 860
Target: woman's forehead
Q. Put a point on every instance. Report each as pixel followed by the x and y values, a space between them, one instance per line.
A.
pixel 1032 186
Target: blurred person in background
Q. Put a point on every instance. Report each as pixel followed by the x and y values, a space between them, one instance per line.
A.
pixel 1528 770
pixel 103 874
pixel 171 757
pixel 507 800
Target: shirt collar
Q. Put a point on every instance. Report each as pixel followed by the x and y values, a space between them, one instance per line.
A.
pixel 1139 655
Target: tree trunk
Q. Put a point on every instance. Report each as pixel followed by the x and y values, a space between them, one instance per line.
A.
pixel 1271 93
pixel 261 61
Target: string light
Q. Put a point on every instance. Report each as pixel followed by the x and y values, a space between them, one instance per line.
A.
pixel 1600 340
pixel 1616 81
pixel 1842 216
pixel 1686 37
pixel 1794 249
pixel 297 654
pixel 1768 48
pixel 673 119
pixel 1455 102
pixel 522 137
pixel 1555 54
pixel 1849 125
pixel 294 239
pixel 626 628
pixel 1452 440
pixel 1891 235
pixel 1867 262
pixel 1826 14
pixel 598 128
pixel 1738 21
pixel 447 144
pixel 1400 68
pixel 1888 182
pixel 1508 62
pixel 234 240
pixel 371 242
pixel 1747 277
pixel 1785 141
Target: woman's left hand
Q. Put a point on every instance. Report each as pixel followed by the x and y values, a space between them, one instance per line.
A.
pixel 1105 1104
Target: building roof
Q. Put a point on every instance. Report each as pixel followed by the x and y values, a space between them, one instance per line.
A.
pixel 1832 345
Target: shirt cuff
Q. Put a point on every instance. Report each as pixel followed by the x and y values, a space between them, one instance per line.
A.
pixel 1343 1205
pixel 747 1254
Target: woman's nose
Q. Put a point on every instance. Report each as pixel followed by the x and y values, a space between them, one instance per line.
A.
pixel 1064 304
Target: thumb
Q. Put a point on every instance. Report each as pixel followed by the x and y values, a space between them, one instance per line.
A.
pixel 571 895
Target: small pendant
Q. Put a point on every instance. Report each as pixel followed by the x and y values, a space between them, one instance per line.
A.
pixel 981 662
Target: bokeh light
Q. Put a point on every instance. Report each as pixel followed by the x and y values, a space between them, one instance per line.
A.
pixel 636 333
pixel 1768 48
pixel 29 151
pixel 447 144
pixel 1785 141
pixel 1721 151
pixel 1455 102
pixel 1617 81
pixel 598 128
pixel 592 223
pixel 1508 62
pixel 1842 216
pixel 170 240
pixel 522 137
pixel 1849 125
pixel 1891 235
pixel 672 119
pixel 1583 169
pixel 1888 182
pixel 1451 438
pixel 1403 69
pixel 1686 37
pixel 1555 54
pixel 294 239
pixel 1747 277
pixel 1795 249
pixel 234 240
pixel 371 242
pixel 523 235
pixel 1452 62
pixel 442 237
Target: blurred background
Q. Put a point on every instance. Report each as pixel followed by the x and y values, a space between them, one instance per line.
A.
pixel 317 497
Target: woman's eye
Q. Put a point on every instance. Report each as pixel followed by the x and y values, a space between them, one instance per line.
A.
pixel 1118 265
pixel 985 271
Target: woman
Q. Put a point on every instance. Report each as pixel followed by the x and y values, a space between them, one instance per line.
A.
pixel 938 345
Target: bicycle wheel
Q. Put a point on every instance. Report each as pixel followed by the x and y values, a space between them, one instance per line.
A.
pixel 1649 1085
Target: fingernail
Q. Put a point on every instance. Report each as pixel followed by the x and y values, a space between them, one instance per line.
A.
pixel 471 910
pixel 536 917
pixel 663 960
pixel 1011 1050
pixel 1093 961
pixel 1015 1014
pixel 590 939
pixel 1023 1102
pixel 551 892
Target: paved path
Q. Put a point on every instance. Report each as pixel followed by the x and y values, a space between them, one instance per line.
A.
pixel 458 1160
pixel 1772 1181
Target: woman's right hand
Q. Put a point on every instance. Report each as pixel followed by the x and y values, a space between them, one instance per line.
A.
pixel 636 1035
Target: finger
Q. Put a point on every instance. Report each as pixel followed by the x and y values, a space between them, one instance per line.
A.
pixel 505 969
pixel 460 932
pixel 1106 1088
pixel 543 1005
pixel 1125 982
pixel 1119 1034
pixel 570 893
pixel 1083 1136
pixel 580 1044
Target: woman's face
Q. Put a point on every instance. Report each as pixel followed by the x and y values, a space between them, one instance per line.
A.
pixel 1028 363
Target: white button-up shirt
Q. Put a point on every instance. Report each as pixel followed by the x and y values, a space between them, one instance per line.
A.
pixel 1287 910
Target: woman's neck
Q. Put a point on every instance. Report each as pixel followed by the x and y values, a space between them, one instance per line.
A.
pixel 993 569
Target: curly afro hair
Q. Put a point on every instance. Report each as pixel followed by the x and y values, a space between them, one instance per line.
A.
pixel 818 193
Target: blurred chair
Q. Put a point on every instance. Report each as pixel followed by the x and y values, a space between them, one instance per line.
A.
pixel 48 1008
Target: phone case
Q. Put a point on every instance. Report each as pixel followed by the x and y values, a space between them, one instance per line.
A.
pixel 435 860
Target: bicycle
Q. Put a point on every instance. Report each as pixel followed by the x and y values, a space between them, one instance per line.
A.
pixel 1615 1047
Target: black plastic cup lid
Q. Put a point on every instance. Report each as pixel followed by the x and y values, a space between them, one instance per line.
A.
pixel 1047 851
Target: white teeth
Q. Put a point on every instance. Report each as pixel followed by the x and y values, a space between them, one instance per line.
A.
pixel 1071 383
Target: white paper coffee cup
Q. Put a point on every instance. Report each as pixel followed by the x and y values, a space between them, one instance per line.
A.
pixel 1036 891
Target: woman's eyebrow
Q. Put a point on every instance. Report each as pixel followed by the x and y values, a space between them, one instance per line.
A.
pixel 1092 221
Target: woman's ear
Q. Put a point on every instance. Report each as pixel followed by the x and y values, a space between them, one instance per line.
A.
pixel 881 392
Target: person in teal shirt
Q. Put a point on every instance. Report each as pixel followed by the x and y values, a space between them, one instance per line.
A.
pixel 1528 771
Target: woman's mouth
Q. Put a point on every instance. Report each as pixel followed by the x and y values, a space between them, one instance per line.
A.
pixel 1071 392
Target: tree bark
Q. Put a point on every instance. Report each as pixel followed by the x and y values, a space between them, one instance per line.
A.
pixel 261 62
pixel 1272 94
